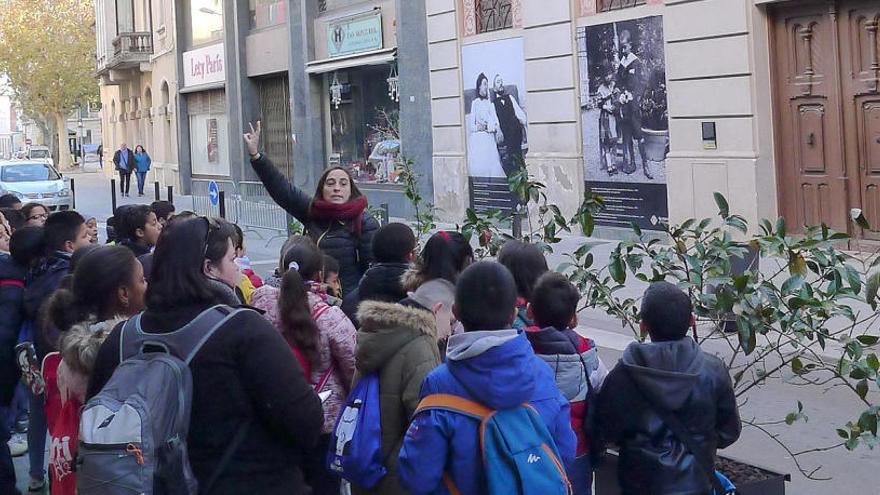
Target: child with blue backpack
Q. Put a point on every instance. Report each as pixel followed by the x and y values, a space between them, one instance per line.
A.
pixel 491 392
pixel 575 361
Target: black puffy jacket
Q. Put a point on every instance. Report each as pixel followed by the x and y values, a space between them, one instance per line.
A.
pixel 676 376
pixel 11 316
pixel 353 253
pixel 42 282
pixel 382 282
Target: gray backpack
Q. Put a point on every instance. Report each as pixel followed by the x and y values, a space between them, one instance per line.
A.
pixel 132 435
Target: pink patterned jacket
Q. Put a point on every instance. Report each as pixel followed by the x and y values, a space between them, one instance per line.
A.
pixel 338 339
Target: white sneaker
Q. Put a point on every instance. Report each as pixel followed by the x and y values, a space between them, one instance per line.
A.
pixel 18 446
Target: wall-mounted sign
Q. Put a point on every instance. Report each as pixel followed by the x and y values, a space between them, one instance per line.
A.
pixel 710 139
pixel 204 66
pixel 213 142
pixel 355 34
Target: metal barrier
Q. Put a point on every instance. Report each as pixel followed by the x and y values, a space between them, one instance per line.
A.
pixel 202 202
pixel 255 209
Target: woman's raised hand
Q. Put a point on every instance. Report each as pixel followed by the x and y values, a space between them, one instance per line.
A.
pixel 252 139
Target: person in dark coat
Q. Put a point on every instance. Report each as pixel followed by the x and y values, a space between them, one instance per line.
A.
pixel 245 373
pixel 336 217
pixel 670 373
pixel 12 276
pixel 631 81
pixel 512 120
pixel 394 249
pixel 124 161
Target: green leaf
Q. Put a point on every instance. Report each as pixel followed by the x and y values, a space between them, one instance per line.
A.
pixel 723 207
pixel 636 229
pixel 862 388
pixel 780 227
pixel 871 287
pixel 797 265
pixel 793 284
pixel 873 362
pixel 842 434
pixel 868 339
pixel 617 268
pixel 797 367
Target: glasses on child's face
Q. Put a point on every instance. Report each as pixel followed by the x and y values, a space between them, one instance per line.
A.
pixel 40 216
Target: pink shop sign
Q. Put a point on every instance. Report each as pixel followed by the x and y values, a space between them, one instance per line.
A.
pixel 204 66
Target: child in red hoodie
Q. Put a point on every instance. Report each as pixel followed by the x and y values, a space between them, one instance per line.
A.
pixel 574 359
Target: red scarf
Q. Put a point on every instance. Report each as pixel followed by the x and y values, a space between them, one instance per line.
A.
pixel 351 212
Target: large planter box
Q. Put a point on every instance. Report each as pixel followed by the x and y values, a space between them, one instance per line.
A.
pixel 773 483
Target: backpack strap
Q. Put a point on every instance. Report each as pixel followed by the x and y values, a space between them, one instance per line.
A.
pixel 183 343
pixel 12 282
pixel 456 404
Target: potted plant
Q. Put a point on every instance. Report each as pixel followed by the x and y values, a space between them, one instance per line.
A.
pixel 655 120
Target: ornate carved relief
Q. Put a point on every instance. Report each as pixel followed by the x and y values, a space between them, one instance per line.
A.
pixel 483 16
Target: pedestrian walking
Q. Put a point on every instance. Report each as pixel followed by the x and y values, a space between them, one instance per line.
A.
pixel 124 161
pixel 142 162
pixel 244 379
pixel 335 217
pixel 107 285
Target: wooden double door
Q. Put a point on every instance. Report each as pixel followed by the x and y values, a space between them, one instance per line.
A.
pixel 826 66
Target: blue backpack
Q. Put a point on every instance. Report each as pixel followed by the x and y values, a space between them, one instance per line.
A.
pixel 355 451
pixel 519 455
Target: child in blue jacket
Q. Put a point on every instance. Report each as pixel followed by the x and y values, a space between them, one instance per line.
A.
pixel 493 364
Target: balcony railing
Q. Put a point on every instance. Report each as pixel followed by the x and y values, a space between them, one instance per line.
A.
pixel 129 51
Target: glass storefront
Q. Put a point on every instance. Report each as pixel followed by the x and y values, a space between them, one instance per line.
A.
pixel 208 133
pixel 206 21
pixel 364 124
pixel 266 13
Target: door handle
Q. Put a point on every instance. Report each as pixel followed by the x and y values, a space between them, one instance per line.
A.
pixel 811 139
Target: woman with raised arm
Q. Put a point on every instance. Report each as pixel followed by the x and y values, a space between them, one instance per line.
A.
pixel 336 217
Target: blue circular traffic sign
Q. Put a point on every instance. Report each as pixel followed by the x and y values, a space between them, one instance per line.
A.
pixel 213 193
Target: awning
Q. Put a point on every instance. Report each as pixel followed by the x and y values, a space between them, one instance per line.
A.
pixel 375 57
pixel 203 87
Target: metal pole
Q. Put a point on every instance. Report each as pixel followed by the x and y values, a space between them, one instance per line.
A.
pixel 384 208
pixel 72 194
pixel 113 195
pixel 222 203
pixel 156 188
pixel 516 226
pixel 171 194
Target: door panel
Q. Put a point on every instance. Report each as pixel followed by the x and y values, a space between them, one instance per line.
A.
pixel 810 160
pixel 860 72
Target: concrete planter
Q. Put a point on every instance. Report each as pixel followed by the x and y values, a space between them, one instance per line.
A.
pixel 656 143
pixel 773 483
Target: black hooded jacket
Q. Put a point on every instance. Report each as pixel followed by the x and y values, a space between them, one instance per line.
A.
pixel 11 316
pixel 335 238
pixel 676 376
pixel 42 282
pixel 382 282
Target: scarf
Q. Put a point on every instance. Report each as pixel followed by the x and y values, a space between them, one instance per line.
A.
pixel 351 212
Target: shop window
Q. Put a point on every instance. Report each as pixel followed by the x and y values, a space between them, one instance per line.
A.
pixel 265 13
pixel 609 5
pixel 493 15
pixel 364 124
pixel 206 21
pixel 208 133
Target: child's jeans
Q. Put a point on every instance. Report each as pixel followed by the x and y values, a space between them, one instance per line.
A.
pixel 581 476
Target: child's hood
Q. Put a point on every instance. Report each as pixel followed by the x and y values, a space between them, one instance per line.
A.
pixel 665 372
pixel 496 367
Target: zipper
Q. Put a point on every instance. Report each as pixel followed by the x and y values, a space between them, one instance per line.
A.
pixel 321 237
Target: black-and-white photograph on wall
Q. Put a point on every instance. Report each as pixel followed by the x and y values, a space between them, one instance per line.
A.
pixel 625 120
pixel 496 119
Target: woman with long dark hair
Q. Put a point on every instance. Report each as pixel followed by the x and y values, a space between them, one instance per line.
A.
pixel 444 257
pixel 327 345
pixel 245 374
pixel 527 263
pixel 142 162
pixel 335 217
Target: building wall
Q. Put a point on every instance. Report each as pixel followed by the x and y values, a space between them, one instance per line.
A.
pixel 139 106
pixel 717 70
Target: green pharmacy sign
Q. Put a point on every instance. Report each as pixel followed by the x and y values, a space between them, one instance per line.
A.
pixel 357 34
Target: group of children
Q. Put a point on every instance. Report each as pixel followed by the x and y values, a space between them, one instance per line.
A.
pixel 426 326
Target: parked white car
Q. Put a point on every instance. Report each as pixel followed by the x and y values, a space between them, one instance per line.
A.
pixel 39 153
pixel 35 181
